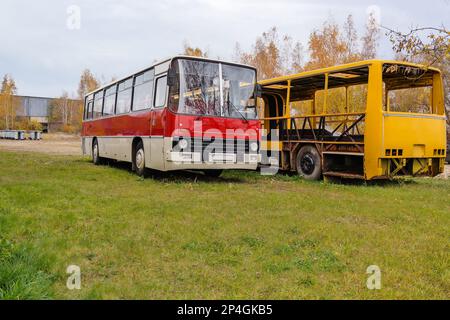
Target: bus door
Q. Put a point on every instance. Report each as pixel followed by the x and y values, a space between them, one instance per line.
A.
pixel 157 123
pixel 157 117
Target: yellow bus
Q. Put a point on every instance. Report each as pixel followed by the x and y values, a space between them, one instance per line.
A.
pixel 367 120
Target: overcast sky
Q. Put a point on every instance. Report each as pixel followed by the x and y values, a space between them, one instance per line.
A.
pixel 45 51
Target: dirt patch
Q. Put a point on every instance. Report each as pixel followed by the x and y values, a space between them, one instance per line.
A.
pixel 62 144
pixel 446 174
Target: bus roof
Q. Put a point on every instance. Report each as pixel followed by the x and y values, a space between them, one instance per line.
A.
pixel 161 62
pixel 342 67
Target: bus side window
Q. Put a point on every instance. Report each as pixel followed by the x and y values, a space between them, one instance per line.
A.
pixel 160 92
pixel 98 105
pixel 85 109
pixel 143 91
pixel 90 107
pixel 110 101
pixel 123 104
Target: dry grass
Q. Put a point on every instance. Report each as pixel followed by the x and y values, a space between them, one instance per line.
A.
pixel 55 144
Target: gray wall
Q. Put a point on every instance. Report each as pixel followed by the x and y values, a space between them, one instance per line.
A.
pixel 34 106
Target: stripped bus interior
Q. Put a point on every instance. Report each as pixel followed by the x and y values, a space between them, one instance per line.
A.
pixel 329 111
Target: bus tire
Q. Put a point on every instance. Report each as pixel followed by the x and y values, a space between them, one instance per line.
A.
pixel 213 173
pixel 139 160
pixel 96 159
pixel 309 164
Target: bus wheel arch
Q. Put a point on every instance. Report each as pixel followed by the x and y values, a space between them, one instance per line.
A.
pixel 308 162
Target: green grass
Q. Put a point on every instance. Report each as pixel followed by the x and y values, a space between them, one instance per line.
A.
pixel 244 236
pixel 24 274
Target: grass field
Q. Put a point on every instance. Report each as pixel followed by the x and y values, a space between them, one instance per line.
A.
pixel 180 236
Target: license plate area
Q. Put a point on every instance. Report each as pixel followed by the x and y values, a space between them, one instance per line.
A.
pixel 222 157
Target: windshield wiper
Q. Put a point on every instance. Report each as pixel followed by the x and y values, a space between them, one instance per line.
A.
pixel 235 108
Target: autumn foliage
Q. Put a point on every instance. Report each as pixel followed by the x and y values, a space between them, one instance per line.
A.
pixel 274 54
pixel 9 105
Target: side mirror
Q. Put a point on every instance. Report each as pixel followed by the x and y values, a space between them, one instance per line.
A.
pixel 258 91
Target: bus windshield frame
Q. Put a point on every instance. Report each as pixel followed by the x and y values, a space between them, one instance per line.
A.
pixel 409 89
pixel 212 89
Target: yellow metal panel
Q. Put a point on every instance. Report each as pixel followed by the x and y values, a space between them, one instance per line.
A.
pixel 438 94
pixel 418 151
pixel 325 94
pixel 271 145
pixel 374 119
pixel 417 135
pixel 288 104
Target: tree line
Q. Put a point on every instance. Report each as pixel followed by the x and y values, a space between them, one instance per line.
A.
pixel 65 114
pixel 333 44
pixel 273 54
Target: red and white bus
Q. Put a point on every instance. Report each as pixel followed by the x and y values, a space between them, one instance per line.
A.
pixel 183 113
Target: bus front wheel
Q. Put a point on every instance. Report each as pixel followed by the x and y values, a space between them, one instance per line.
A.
pixel 309 164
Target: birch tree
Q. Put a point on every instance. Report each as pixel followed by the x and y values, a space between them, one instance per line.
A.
pixel 8 103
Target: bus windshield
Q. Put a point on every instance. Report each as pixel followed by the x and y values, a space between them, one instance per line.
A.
pixel 212 89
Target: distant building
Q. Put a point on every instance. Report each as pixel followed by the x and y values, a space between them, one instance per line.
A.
pixel 37 109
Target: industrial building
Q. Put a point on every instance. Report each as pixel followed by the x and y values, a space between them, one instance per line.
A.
pixel 38 109
pixel 35 108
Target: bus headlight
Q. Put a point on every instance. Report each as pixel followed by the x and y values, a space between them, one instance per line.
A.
pixel 183 144
pixel 254 146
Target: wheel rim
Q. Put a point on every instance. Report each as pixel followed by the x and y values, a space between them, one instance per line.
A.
pixel 307 164
pixel 140 159
pixel 95 152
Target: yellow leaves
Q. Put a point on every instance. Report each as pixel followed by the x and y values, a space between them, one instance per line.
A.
pixel 188 50
pixel 194 52
pixel 8 85
pixel 332 45
pixel 65 110
pixel 88 83
pixel 326 46
pixel 8 105
pixel 26 124
pixel 431 43
pixel 271 56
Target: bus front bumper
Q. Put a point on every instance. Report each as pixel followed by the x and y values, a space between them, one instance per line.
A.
pixel 195 160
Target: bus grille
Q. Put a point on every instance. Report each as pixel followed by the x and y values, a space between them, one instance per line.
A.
pixel 234 146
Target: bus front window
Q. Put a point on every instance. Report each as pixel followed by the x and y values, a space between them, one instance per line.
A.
pixel 212 89
pixel 238 92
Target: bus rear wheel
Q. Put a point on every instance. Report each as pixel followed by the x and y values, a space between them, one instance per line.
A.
pixel 96 159
pixel 309 164
pixel 213 173
pixel 139 160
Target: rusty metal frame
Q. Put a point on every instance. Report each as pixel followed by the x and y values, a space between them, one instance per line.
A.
pixel 294 133
pixel 318 134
